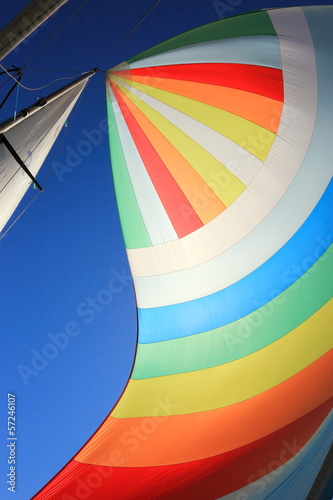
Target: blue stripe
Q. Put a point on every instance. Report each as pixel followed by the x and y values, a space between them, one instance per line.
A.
pixel 250 293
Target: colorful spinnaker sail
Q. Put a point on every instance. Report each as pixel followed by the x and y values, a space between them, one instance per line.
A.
pixel 222 147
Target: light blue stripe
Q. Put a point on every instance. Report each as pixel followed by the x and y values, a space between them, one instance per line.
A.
pixel 256 50
pixel 253 291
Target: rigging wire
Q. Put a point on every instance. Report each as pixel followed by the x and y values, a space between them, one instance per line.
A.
pixel 16 101
pixel 44 86
pixel 55 70
pixel 54 34
pixel 5 82
pixel 16 84
pixel 130 32
pixel 20 215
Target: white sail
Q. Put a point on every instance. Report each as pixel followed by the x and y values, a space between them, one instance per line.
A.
pixel 32 16
pixel 31 137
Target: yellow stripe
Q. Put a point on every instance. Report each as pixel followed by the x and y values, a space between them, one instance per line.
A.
pixel 221 181
pixel 233 382
pixel 252 137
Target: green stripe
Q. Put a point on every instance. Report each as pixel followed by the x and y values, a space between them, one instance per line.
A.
pixel 134 230
pixel 255 23
pixel 245 336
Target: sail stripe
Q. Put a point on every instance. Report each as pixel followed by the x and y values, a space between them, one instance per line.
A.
pixel 263 111
pixel 133 227
pixel 170 194
pixel 258 80
pixel 255 51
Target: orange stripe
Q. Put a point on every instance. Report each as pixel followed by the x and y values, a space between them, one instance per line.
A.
pixel 151 440
pixel 263 111
pixel 203 200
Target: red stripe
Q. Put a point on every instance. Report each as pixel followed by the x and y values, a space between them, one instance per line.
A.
pixel 257 79
pixel 181 213
pixel 205 479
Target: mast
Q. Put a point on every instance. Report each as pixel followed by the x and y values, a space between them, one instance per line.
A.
pixel 29 19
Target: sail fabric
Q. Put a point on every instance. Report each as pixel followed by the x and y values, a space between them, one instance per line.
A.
pixel 29 19
pixel 32 140
pixel 221 149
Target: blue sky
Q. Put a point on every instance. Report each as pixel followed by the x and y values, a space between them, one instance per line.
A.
pixel 68 319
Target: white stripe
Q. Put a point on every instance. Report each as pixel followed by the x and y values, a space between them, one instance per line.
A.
pixel 156 220
pixel 238 160
pixel 257 202
pixel 257 50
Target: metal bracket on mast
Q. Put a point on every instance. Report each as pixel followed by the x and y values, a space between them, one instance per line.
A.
pixel 5 142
